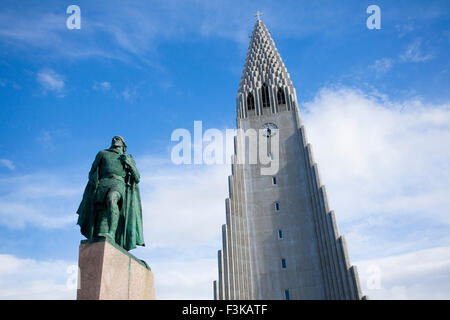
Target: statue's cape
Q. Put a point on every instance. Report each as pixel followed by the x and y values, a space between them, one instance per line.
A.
pixel 134 234
pixel 131 210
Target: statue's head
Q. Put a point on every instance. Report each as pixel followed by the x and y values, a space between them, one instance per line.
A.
pixel 118 141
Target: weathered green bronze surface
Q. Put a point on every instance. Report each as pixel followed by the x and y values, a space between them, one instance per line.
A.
pixel 111 205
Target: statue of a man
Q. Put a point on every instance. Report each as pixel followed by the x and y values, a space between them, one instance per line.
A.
pixel 111 205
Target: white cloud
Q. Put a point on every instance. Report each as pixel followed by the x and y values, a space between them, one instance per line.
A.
pixel 50 81
pixel 8 82
pixel 55 279
pixel 45 139
pixel 404 28
pixel 385 166
pixel 126 94
pixel 414 53
pixel 423 274
pixel 185 279
pixel 382 66
pixel 33 279
pixel 102 86
pixel 7 163
pixel 183 206
pixel 130 92
pixel 176 201
pixel 183 210
pixel 40 200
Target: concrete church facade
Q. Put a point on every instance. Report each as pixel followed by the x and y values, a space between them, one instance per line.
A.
pixel 280 240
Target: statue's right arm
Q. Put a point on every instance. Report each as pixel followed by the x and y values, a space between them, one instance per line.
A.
pixel 95 166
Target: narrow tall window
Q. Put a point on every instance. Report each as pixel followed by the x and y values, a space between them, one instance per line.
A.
pixel 277 206
pixel 287 295
pixel 280 96
pixel 274 180
pixel 280 234
pixel 283 263
pixel 250 102
pixel 265 96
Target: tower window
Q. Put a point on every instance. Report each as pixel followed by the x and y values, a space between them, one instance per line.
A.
pixel 265 96
pixel 280 96
pixel 274 180
pixel 280 234
pixel 287 295
pixel 277 206
pixel 283 263
pixel 250 102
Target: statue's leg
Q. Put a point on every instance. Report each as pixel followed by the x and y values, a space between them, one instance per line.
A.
pixel 101 212
pixel 101 223
pixel 112 202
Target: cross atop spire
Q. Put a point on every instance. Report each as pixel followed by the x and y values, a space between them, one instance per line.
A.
pixel 258 15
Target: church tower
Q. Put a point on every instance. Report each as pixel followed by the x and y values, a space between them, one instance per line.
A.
pixel 280 240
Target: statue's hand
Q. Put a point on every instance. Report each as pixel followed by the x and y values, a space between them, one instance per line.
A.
pixel 125 160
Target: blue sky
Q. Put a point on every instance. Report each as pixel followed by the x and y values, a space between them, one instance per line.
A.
pixel 375 104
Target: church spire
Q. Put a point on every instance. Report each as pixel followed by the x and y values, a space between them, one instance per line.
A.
pixel 263 63
pixel 265 87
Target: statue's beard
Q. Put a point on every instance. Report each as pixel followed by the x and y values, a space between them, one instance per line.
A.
pixel 117 146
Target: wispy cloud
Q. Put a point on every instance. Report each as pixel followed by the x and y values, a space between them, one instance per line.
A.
pixel 414 53
pixel 7 82
pixel 7 163
pixel 45 139
pixel 382 66
pixel 136 31
pixel 404 28
pixel 128 93
pixel 42 200
pixel 102 86
pixel 51 81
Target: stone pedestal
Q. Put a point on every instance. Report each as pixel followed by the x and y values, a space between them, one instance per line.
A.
pixel 108 272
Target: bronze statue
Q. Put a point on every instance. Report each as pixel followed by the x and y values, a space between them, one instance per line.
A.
pixel 111 205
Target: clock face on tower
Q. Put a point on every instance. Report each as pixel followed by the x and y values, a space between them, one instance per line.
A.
pixel 269 129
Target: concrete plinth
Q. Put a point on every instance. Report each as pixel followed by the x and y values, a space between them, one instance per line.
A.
pixel 108 272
